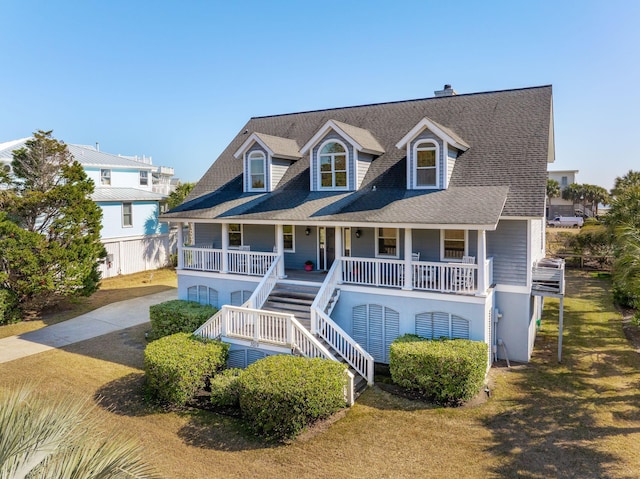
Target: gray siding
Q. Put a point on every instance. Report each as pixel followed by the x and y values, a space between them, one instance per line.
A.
pixel 426 135
pixel 208 235
pixel 364 162
pixel 278 169
pixel 306 248
pixel 516 328
pixel 332 135
pixel 427 243
pixel 259 237
pixel 508 246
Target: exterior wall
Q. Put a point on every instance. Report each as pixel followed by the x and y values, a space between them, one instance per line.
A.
pixel 517 326
pixel 471 308
pixel 452 155
pixel 332 135
pixel 306 248
pixel 242 356
pixel 132 255
pixel 537 239
pixel 508 246
pixel 207 235
pixel 120 178
pixel 426 135
pixel 259 237
pixel 278 169
pixel 221 283
pixel 566 209
pixel 363 164
pixel 145 220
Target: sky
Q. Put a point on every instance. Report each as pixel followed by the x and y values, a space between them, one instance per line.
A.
pixel 177 80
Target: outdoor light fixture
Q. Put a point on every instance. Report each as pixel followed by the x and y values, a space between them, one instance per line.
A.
pixel 358 233
pixel 307 231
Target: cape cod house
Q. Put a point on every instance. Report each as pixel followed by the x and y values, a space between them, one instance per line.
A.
pixel 130 191
pixel 422 216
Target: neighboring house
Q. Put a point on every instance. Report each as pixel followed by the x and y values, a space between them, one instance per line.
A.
pixel 560 207
pixel 130 193
pixel 427 214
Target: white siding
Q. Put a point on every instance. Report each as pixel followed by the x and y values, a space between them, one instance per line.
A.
pixel 131 255
pixel 278 169
pixel 537 239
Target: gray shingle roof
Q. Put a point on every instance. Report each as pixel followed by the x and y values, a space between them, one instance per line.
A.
pixel 508 133
pixel 281 147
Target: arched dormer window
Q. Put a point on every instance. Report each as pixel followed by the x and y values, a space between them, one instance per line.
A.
pixel 333 165
pixel 257 169
pixel 426 164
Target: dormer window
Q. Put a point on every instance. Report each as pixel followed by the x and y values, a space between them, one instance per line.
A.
pixel 426 155
pixel 333 165
pixel 257 171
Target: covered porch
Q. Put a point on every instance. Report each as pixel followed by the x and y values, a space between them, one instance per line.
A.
pixel 421 259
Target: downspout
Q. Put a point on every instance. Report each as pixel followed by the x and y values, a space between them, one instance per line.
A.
pixel 494 340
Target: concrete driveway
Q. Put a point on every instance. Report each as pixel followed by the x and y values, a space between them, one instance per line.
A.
pixel 109 318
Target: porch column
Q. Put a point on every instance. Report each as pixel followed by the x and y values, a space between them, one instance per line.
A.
pixel 280 249
pixel 408 252
pixel 179 246
pixel 339 250
pixel 225 247
pixel 482 257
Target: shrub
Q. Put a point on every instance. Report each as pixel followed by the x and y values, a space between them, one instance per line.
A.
pixel 9 312
pixel 447 372
pixel 178 366
pixel 280 395
pixel 178 316
pixel 225 388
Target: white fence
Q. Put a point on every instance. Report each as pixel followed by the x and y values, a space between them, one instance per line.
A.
pixel 135 254
pixel 252 263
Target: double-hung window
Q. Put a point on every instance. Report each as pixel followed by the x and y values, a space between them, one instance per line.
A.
pixel 235 235
pixel 127 214
pixel 426 174
pixel 333 166
pixel 288 233
pixel 105 177
pixel 454 245
pixel 257 171
pixel 144 178
pixel 387 244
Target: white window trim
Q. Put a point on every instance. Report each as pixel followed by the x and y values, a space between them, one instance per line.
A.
pixel 102 183
pixel 266 166
pixel 466 247
pixel 293 239
pixel 146 177
pixel 241 235
pixel 122 214
pixel 414 165
pixel 319 180
pixel 397 255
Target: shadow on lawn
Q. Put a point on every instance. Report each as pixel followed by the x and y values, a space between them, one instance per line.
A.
pixel 557 426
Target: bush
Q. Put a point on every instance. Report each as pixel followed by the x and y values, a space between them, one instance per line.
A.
pixel 178 366
pixel 9 312
pixel 178 316
pixel 447 372
pixel 280 395
pixel 225 388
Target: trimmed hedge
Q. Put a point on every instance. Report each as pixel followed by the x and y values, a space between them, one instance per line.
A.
pixel 178 366
pixel 225 388
pixel 178 316
pixel 446 372
pixel 280 395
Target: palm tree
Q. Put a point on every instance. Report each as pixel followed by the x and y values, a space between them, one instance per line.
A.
pixel 56 439
pixel 553 189
pixel 596 195
pixel 632 178
pixel 575 193
pixel 627 264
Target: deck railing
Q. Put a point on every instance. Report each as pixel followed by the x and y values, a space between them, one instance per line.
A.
pixel 201 259
pixel 265 286
pixel 322 325
pixel 252 263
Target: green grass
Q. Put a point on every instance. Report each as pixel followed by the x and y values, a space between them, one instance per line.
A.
pixel 578 419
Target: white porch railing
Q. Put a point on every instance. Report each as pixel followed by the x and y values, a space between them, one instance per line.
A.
pixel 252 263
pixel 278 329
pixel 427 276
pixel 322 325
pixel 264 288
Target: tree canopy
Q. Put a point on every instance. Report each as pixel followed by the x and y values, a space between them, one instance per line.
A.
pixel 177 196
pixel 49 229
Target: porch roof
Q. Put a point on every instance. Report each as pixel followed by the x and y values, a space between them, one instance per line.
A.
pixel 480 205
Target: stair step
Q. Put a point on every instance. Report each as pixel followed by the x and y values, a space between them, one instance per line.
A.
pixel 289 300
pixel 286 293
pixel 285 307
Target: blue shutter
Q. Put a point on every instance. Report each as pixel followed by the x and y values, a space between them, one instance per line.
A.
pixel 359 330
pixel 237 359
pixel 213 297
pixel 391 329
pixel 376 328
pixel 424 325
pixel 254 354
pixel 192 293
pixel 236 298
pixel 440 325
pixel 203 295
pixel 459 327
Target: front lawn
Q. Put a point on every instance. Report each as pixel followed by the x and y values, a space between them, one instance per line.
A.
pixel 579 419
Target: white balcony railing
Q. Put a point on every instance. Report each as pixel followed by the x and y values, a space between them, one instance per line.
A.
pixel 252 263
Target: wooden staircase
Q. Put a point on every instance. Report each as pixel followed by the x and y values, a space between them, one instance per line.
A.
pixel 297 299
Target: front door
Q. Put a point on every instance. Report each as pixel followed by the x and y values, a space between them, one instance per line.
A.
pixel 326 247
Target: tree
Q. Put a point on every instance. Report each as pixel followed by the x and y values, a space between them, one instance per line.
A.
pixel 177 196
pixel 553 189
pixel 50 231
pixel 632 178
pixel 596 195
pixel 57 439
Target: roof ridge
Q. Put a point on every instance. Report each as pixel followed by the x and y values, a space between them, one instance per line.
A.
pixel 404 101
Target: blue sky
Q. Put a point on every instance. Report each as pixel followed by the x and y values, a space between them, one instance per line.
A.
pixel 177 80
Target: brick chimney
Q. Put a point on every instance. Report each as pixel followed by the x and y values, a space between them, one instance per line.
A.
pixel 447 91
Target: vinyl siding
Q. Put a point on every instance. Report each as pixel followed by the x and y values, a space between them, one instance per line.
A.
pixel 278 169
pixel 306 248
pixel 508 246
pixel 537 239
pixel 259 237
pixel 144 217
pixel 364 162
pixel 208 235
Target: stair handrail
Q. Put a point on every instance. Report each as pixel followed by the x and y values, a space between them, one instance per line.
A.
pixel 212 328
pixel 265 286
pixel 322 325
